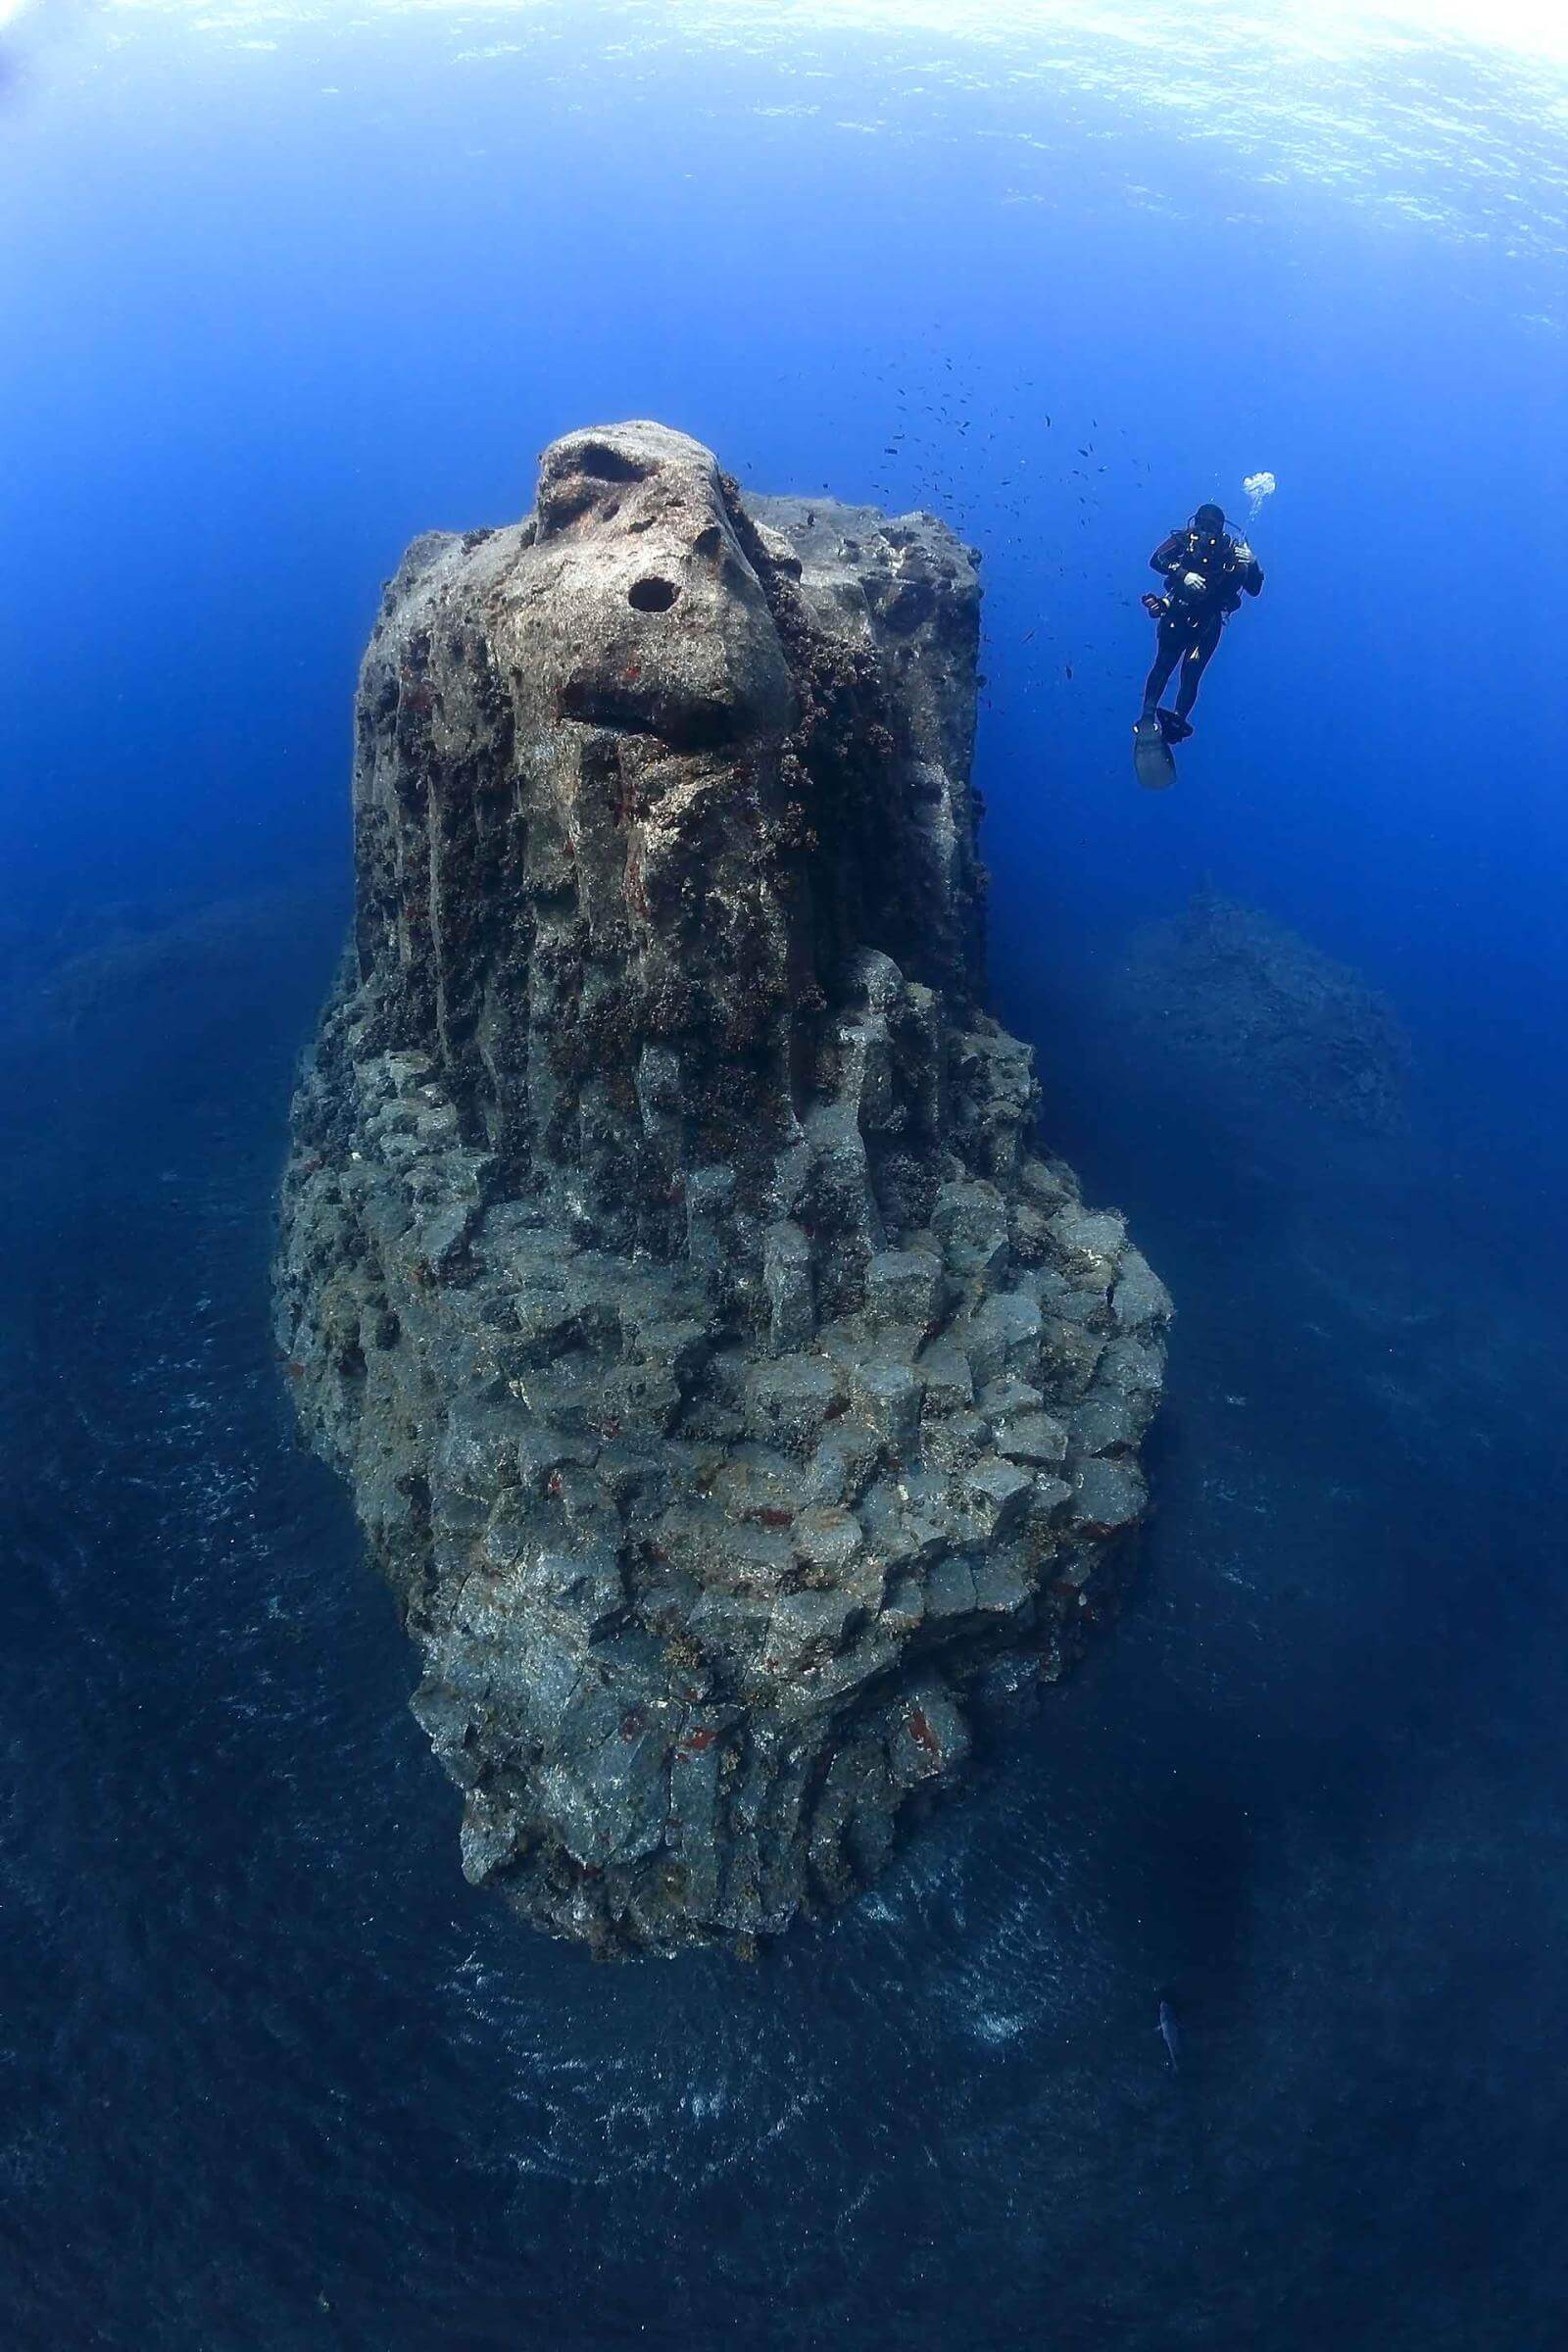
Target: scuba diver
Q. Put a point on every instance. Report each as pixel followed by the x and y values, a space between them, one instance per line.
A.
pixel 1205 571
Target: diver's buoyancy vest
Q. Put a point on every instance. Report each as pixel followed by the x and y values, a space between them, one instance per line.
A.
pixel 1221 573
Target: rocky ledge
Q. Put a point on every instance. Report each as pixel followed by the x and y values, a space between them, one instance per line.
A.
pixel 722 1372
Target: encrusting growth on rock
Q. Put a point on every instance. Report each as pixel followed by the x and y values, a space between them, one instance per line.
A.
pixel 721 1370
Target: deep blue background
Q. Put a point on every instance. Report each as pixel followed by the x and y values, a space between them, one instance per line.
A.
pixel 273 2076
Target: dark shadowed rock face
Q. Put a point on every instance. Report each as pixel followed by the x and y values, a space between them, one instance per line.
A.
pixel 720 1371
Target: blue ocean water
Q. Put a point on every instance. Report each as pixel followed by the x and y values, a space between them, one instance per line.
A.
pixel 282 285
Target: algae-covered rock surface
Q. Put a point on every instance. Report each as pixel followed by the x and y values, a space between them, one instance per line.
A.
pixel 723 1370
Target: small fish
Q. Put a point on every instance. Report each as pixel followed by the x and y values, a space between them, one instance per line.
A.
pixel 1067 667
pixel 1170 2035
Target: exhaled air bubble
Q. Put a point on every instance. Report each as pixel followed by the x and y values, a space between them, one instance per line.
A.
pixel 1257 486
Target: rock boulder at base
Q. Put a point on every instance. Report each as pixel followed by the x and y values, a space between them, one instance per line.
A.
pixel 667 1260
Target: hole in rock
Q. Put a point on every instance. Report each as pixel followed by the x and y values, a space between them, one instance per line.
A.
pixel 605 464
pixel 652 596
pixel 708 542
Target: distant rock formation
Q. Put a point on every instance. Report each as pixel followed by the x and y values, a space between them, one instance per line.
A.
pixel 155 956
pixel 1238 996
pixel 668 1262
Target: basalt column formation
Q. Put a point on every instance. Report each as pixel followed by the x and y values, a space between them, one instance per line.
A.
pixel 723 1370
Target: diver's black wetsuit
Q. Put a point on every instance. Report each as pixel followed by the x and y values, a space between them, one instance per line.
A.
pixel 1190 625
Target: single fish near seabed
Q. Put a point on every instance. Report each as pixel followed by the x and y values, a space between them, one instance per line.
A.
pixel 1170 2035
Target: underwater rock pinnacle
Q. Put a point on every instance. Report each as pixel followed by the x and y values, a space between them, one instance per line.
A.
pixel 721 1371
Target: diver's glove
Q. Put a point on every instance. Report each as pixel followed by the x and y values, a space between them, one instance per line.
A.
pixel 1157 607
pixel 1193 582
pixel 1243 554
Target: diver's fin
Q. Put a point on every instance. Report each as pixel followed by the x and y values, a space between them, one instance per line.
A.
pixel 1153 764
